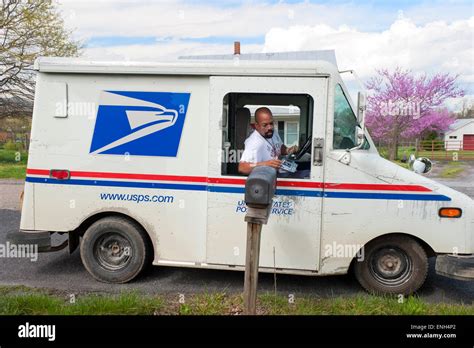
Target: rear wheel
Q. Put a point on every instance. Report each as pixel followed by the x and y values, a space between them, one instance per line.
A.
pixel 392 265
pixel 115 250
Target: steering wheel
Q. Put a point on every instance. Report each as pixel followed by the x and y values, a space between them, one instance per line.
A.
pixel 305 148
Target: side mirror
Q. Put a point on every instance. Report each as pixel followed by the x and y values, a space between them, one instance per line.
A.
pixel 361 108
pixel 360 136
pixel 421 165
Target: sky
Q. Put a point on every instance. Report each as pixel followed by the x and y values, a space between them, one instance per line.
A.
pixel 423 36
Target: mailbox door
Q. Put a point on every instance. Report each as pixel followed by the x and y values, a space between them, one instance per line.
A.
pixel 291 239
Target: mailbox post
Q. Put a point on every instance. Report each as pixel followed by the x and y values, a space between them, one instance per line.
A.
pixel 259 191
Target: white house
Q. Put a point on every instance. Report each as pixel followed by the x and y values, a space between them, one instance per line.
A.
pixel 460 135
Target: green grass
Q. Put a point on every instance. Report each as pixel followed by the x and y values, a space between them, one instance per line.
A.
pixel 438 153
pixel 361 305
pixel 12 164
pixel 13 157
pixel 26 301
pixel 402 151
pixel 12 171
pixel 452 170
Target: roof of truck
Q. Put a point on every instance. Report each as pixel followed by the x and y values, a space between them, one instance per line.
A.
pixel 274 65
pixel 326 55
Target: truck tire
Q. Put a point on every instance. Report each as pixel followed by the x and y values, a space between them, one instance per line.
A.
pixel 115 250
pixel 392 265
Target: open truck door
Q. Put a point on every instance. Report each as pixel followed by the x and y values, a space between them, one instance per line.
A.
pixel 292 238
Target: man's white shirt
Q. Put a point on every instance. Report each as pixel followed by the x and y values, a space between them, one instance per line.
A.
pixel 260 149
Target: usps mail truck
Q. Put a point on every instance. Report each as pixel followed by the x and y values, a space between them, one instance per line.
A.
pixel 137 163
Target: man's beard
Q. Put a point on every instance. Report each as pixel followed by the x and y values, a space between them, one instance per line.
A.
pixel 268 134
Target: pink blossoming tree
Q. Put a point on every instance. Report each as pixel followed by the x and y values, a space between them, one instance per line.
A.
pixel 404 106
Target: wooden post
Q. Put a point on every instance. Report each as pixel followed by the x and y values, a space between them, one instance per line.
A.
pixel 251 267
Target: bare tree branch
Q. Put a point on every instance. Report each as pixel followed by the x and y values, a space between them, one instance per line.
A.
pixel 28 29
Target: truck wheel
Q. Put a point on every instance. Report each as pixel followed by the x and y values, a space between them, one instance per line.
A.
pixel 115 250
pixel 392 265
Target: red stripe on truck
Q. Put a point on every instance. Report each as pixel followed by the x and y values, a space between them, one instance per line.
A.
pixel 235 181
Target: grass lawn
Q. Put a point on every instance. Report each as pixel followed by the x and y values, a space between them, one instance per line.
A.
pixel 12 171
pixel 12 164
pixel 438 154
pixel 452 170
pixel 27 301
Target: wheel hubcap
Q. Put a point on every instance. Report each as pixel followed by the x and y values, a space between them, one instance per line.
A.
pixel 391 266
pixel 113 251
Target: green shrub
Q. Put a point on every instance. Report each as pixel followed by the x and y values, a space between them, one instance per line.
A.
pixel 13 156
pixel 10 145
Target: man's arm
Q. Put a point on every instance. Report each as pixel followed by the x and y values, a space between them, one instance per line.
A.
pixel 246 167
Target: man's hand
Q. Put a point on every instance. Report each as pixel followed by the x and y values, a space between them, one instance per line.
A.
pixel 292 150
pixel 288 150
pixel 274 163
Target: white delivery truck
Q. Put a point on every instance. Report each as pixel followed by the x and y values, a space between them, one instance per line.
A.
pixel 137 163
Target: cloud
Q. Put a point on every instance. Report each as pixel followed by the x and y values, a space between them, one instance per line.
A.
pixel 425 37
pixel 433 47
pixel 180 19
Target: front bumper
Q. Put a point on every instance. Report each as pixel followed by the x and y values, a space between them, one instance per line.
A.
pixel 42 239
pixel 459 267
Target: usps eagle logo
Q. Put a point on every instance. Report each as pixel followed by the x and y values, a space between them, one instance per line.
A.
pixel 139 123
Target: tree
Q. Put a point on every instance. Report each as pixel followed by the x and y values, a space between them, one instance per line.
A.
pixel 17 128
pixel 403 106
pixel 28 29
pixel 467 109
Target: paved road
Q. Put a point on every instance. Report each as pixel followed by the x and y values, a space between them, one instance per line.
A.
pixel 61 271
pixel 10 191
pixel 463 183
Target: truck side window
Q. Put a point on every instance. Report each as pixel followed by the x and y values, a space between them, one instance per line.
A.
pixel 345 122
pixel 292 114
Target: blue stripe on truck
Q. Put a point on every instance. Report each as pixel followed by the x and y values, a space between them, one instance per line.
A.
pixel 151 185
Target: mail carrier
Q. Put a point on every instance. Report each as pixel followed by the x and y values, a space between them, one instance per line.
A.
pixel 137 163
